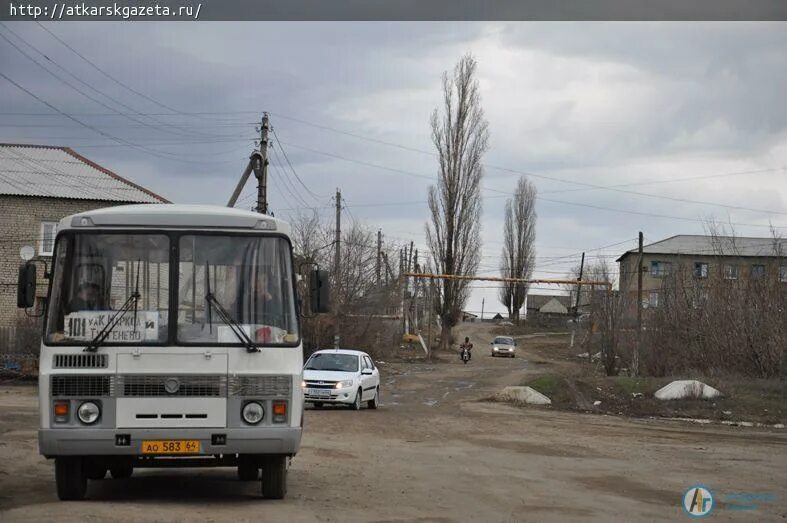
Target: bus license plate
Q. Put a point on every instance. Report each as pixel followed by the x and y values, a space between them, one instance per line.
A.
pixel 171 446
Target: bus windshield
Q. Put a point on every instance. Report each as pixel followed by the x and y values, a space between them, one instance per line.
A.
pixel 250 277
pixel 95 274
pixel 250 280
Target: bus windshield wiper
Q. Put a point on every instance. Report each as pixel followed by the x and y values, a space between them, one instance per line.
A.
pixel 102 335
pixel 225 316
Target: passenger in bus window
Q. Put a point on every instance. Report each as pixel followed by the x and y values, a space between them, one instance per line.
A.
pixel 266 308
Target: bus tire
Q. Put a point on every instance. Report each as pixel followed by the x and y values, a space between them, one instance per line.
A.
pixel 70 478
pixel 94 468
pixel 274 477
pixel 121 470
pixel 248 470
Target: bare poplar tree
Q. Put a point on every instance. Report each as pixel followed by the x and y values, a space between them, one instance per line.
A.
pixel 460 134
pixel 519 246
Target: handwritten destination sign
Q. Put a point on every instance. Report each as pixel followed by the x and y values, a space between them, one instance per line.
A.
pixel 84 325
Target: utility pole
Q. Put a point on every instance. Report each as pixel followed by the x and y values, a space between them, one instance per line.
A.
pixel 415 293
pixel 635 363
pixel 579 285
pixel 483 301
pixel 379 255
pixel 261 171
pixel 337 262
pixel 430 304
pixel 337 240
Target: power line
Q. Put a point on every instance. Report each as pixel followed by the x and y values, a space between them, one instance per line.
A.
pixel 141 148
pixel 294 172
pixel 70 85
pixel 617 188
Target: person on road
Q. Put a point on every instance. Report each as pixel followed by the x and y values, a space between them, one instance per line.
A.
pixel 466 345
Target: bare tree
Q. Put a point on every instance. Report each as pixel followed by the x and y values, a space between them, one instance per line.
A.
pixel 519 246
pixel 594 271
pixel 460 134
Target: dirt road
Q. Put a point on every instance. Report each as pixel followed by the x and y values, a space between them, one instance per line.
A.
pixel 432 452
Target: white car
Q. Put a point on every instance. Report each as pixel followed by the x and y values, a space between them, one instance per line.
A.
pixel 504 346
pixel 341 376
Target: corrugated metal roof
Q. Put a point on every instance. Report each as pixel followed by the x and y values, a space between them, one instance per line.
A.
pixel 536 301
pixel 701 245
pixel 60 172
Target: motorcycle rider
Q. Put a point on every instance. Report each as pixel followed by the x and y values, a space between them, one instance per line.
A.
pixel 466 345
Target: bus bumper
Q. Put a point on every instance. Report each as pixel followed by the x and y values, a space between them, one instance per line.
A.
pixel 102 442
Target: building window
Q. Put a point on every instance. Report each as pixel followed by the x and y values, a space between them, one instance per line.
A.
pixel 758 271
pixel 730 271
pixel 700 270
pixel 700 298
pixel 660 269
pixel 47 242
pixel 653 299
pixel 783 273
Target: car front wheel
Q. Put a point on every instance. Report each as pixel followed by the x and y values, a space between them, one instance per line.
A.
pixel 357 403
pixel 372 403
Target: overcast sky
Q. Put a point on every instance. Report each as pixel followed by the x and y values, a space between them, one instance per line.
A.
pixel 679 111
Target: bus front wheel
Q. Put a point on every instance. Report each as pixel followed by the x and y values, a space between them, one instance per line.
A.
pixel 70 478
pixel 274 477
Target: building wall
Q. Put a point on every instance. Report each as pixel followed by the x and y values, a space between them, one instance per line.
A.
pixel 20 225
pixel 628 270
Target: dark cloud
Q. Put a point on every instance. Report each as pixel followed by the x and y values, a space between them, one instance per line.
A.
pixel 598 103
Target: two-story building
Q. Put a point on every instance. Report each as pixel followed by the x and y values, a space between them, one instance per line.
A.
pixel 39 185
pixel 703 258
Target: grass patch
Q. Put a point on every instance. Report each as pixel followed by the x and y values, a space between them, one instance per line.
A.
pixel 554 387
pixel 630 386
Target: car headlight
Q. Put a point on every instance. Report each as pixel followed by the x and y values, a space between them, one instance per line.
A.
pixel 88 413
pixel 252 413
pixel 346 384
pixel 496 348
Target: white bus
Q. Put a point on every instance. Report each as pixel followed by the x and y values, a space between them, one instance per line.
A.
pixel 171 338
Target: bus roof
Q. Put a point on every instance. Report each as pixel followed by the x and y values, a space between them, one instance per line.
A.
pixel 175 216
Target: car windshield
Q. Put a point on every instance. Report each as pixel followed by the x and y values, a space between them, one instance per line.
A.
pixel 504 341
pixel 333 361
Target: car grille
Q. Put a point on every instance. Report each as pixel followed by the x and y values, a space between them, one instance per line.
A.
pixel 81 386
pixel 80 361
pixel 275 386
pixel 131 385
pixel 320 384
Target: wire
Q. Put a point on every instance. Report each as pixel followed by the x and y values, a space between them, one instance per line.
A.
pixel 278 143
pixel 141 148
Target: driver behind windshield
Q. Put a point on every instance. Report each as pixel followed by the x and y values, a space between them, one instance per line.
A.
pixel 87 298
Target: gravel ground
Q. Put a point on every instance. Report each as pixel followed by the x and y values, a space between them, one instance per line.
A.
pixel 434 451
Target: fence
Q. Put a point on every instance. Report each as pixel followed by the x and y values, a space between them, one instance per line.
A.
pixel 19 347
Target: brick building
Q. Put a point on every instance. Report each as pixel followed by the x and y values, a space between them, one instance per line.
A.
pixel 705 259
pixel 39 185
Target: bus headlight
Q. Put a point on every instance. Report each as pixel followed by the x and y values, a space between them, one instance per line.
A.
pixel 88 413
pixel 252 413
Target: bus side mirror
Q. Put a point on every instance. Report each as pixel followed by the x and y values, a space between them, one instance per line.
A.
pixel 26 286
pixel 319 292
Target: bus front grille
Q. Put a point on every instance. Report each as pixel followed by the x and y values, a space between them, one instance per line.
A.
pixel 81 386
pixel 144 386
pixel 267 386
pixel 80 361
